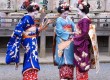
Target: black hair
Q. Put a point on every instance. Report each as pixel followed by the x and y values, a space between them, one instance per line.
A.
pixel 32 8
pixel 61 9
pixel 85 8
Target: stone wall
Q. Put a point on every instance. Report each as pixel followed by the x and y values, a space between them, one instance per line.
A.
pixel 96 5
pixel 7 4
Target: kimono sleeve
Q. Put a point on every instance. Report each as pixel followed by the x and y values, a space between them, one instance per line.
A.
pixel 61 32
pixel 12 53
pixel 84 30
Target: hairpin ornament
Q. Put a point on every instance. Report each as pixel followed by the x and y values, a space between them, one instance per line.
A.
pixel 64 5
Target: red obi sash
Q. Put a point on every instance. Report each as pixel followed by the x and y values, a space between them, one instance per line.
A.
pixel 68 28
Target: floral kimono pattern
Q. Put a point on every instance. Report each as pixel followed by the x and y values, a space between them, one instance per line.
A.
pixel 64 56
pixel 61 36
pixel 29 44
pixel 86 48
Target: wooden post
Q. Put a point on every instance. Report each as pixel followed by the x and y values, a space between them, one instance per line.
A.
pixel 42 44
pixel 12 22
pixel 0 21
pixel 109 46
pixel 98 23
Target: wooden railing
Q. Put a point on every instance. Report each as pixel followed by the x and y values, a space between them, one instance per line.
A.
pixel 7 25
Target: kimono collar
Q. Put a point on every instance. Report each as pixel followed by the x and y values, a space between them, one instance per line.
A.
pixel 66 19
pixel 85 16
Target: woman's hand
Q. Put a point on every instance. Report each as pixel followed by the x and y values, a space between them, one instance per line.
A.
pixel 49 21
pixel 77 33
pixel 72 33
pixel 71 38
pixel 45 25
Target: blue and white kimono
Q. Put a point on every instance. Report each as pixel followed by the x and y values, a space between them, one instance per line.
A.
pixel 63 35
pixel 30 45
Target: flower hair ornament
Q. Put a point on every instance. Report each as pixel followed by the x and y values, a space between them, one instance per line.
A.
pixel 82 4
pixel 64 5
pixel 35 5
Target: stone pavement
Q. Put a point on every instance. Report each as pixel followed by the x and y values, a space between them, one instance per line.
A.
pixel 48 59
pixel 50 72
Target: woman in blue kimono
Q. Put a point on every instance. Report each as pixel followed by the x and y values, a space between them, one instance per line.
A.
pixel 26 33
pixel 63 56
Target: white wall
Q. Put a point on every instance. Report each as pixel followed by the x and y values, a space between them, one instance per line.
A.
pixel 19 4
pixel 107 5
pixel 52 4
pixel 94 5
pixel 4 5
pixel 55 4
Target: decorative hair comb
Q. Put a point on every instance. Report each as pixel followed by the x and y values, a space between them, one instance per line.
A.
pixel 64 5
pixel 82 4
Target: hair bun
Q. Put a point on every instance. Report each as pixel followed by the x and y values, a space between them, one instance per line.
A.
pixel 84 7
pixel 88 5
pixel 33 7
pixel 63 7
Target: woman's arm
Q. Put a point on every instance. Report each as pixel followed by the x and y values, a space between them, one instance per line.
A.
pixel 44 26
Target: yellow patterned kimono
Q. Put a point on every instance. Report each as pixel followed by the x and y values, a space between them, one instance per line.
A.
pixel 95 55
